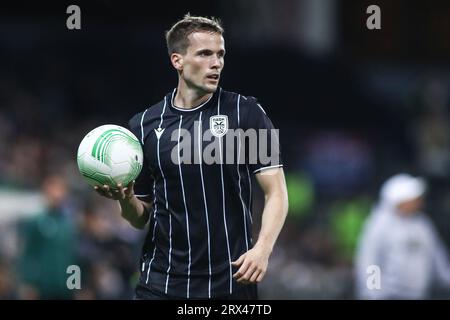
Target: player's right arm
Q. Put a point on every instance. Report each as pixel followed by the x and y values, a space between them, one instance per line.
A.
pixel 135 211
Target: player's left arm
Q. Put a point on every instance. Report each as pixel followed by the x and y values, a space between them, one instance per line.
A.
pixel 253 264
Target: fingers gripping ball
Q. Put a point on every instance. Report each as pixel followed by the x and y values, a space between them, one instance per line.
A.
pixel 109 155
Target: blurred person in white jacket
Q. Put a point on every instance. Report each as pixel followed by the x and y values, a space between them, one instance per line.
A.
pixel 403 245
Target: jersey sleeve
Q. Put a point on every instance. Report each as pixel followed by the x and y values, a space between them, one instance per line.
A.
pixel 262 152
pixel 143 187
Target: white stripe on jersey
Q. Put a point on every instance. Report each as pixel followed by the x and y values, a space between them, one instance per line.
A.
pixel 154 229
pixel 269 167
pixel 261 108
pixel 150 264
pixel 159 160
pixel 239 174
pixel 204 199
pixel 142 126
pixel 162 112
pixel 165 195
pixel 155 209
pixel 250 198
pixel 223 200
pixel 170 252
pixel 173 96
pixel 185 209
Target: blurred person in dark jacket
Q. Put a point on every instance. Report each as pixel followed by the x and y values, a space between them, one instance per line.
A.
pixel 47 246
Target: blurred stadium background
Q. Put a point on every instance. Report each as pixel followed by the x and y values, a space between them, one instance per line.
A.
pixel 353 107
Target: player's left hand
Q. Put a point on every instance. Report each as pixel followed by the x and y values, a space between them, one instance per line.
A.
pixel 253 266
pixel 121 193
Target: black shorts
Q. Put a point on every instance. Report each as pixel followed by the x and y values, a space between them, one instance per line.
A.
pixel 243 292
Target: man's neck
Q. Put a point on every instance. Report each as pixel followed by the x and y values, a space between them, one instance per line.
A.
pixel 188 98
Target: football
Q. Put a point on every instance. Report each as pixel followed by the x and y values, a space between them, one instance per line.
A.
pixel 109 155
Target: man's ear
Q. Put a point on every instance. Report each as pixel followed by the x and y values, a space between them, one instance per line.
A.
pixel 177 61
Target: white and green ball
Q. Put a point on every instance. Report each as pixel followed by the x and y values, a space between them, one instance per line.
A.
pixel 109 155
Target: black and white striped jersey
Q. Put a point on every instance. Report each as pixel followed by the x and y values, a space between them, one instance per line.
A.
pixel 197 173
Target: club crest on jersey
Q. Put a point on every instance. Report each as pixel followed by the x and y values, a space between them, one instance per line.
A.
pixel 218 125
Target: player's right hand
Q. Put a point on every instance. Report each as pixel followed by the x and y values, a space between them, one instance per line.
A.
pixel 120 193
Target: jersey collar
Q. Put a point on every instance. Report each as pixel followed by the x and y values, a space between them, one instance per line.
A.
pixel 196 109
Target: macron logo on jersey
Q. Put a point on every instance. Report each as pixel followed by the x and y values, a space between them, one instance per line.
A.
pixel 159 132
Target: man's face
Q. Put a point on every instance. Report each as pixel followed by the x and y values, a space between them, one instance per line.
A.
pixel 55 191
pixel 410 207
pixel 203 62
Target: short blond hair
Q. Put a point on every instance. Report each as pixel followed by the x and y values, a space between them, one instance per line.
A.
pixel 177 37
